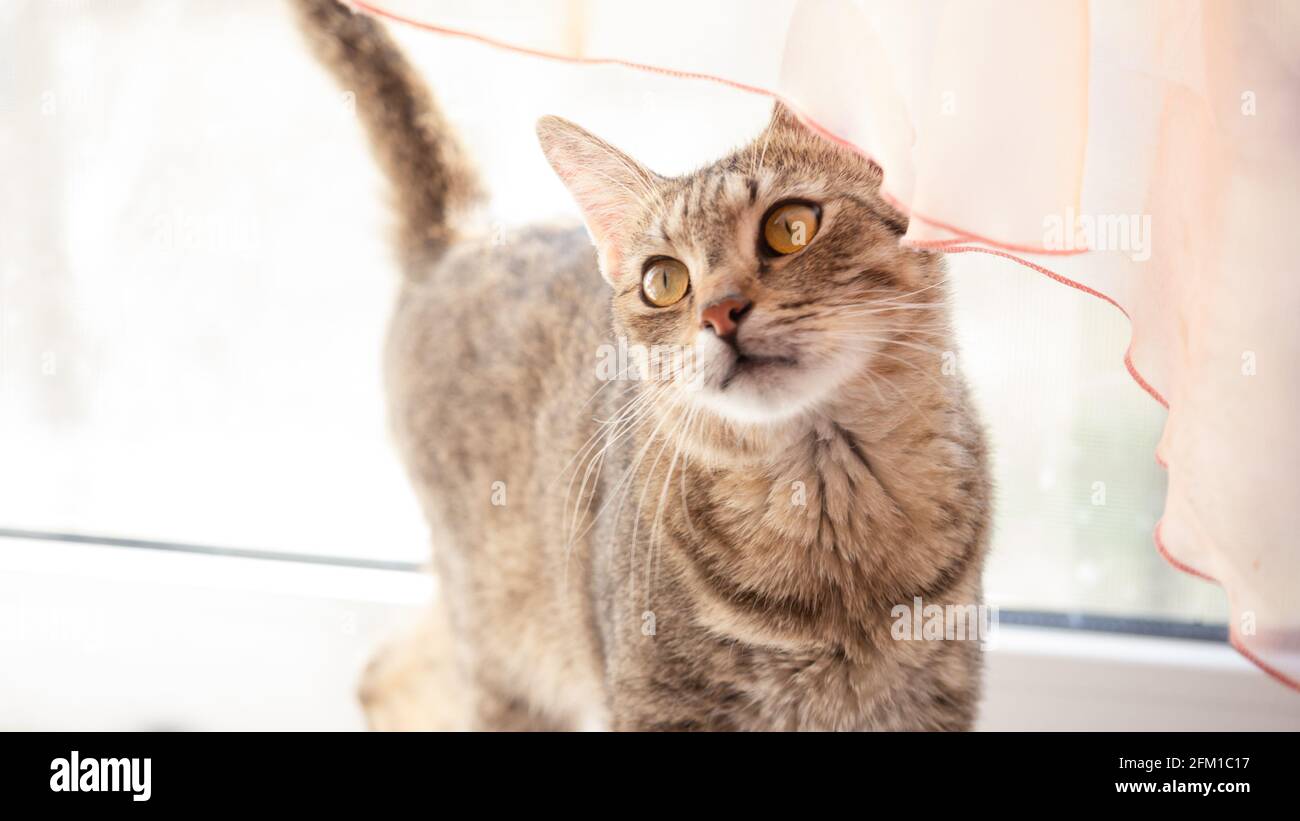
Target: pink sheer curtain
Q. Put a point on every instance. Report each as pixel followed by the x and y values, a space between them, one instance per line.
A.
pixel 1142 152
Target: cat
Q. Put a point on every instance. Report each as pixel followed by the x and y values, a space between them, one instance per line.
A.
pixel 721 542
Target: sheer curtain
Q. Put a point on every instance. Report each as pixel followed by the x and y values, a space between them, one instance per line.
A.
pixel 1141 152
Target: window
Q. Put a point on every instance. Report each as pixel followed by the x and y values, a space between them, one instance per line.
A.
pixel 194 303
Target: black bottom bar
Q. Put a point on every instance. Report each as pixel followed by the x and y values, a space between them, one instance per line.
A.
pixel 438 773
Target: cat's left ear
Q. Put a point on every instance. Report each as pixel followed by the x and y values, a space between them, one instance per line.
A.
pixel 609 186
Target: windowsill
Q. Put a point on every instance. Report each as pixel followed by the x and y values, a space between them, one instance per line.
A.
pixel 100 637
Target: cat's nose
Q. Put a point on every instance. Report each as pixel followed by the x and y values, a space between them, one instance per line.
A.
pixel 723 315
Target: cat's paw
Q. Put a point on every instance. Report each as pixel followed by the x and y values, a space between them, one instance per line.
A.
pixel 411 683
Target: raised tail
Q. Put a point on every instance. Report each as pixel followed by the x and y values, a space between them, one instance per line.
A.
pixel 433 183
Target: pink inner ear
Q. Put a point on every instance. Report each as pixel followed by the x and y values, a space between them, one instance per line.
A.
pixel 610 259
pixel 601 213
pixel 603 225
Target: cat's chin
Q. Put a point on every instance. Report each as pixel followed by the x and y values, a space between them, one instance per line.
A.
pixel 764 390
pixel 749 408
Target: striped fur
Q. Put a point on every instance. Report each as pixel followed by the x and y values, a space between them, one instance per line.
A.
pixel 719 550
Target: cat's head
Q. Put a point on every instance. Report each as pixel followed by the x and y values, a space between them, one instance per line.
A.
pixel 762 284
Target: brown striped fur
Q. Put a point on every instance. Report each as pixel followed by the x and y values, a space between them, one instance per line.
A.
pixel 719 551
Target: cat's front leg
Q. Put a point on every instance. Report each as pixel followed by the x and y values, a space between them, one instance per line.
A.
pixel 669 683
pixel 657 707
pixel 412 682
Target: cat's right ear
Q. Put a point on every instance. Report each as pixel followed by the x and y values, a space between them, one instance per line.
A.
pixel 609 186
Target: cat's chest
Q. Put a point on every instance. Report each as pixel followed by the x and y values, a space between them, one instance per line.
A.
pixel 806 558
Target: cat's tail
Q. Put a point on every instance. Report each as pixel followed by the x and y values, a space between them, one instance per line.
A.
pixel 432 181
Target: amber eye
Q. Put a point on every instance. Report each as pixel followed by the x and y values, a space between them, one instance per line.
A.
pixel 665 282
pixel 790 226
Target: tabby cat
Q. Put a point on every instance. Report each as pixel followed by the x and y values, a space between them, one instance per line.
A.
pixel 693 496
